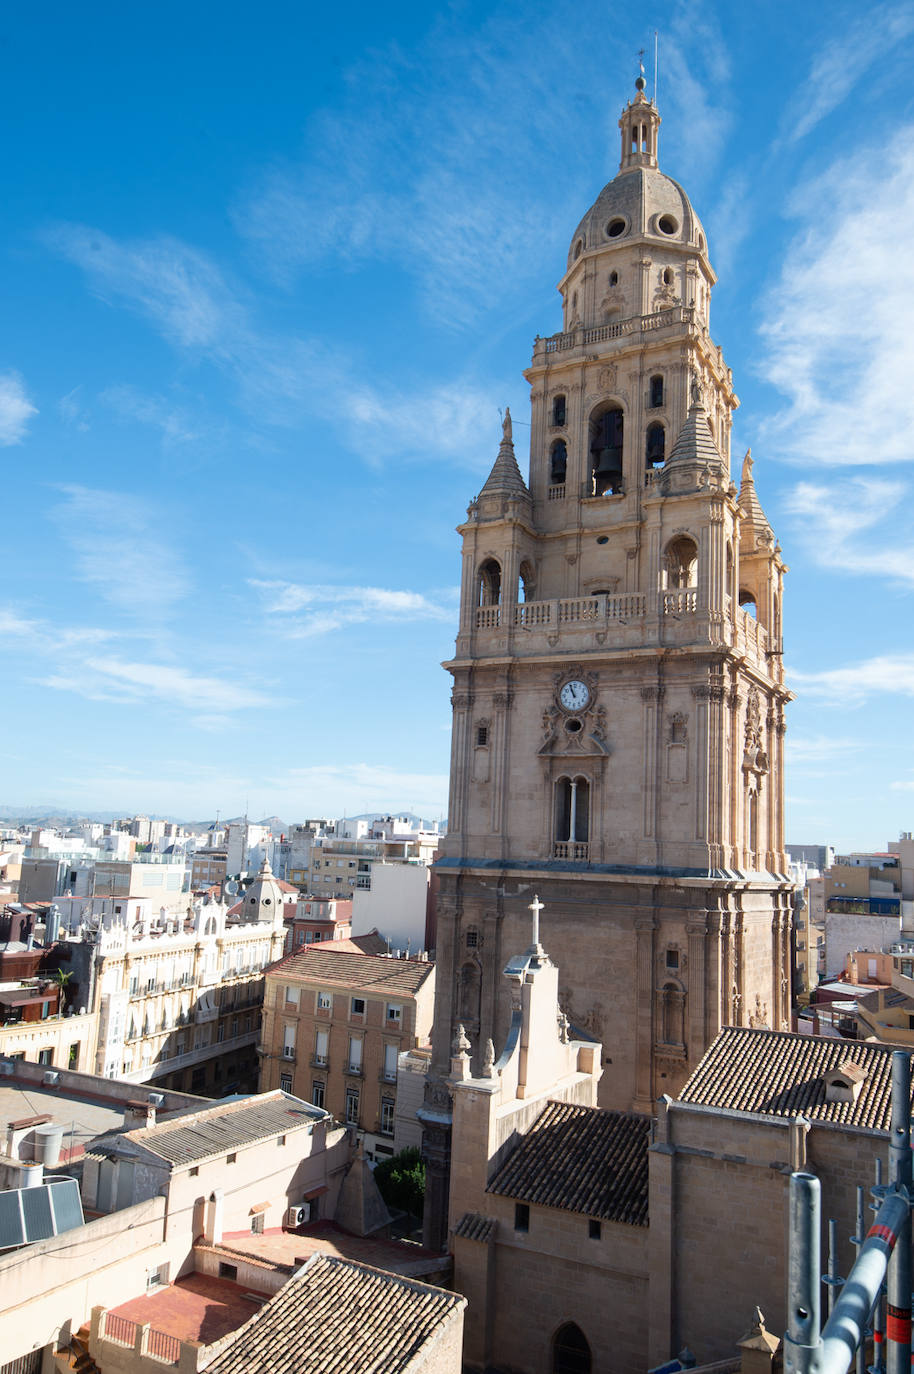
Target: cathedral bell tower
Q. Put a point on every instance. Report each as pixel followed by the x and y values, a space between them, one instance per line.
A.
pixel 618 687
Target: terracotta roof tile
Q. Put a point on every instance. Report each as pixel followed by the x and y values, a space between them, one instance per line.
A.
pixel 474 1226
pixel 581 1159
pixel 367 972
pixel 779 1073
pixel 335 1316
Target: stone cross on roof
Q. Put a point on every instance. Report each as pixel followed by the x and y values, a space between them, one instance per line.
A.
pixel 536 906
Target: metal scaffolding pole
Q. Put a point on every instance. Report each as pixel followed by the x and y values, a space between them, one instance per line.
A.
pixel 898 1305
pixel 807 1350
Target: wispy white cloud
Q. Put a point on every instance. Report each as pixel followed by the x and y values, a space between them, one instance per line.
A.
pixel 118 548
pixel 47 638
pixel 836 333
pixel 819 748
pixel 15 409
pixel 72 411
pixel 843 60
pixel 830 518
pixel 887 673
pixel 360 787
pixel 109 679
pixel 328 608
pixel 174 423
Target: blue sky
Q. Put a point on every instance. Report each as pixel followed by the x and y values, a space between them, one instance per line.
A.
pixel 269 274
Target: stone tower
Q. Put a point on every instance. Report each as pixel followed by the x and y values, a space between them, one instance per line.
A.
pixel 618 689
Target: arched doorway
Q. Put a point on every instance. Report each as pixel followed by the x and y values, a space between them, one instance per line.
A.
pixel 570 1351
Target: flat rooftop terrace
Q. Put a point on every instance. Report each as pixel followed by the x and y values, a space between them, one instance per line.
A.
pixel 81 1117
pixel 195 1308
pixel 292 1248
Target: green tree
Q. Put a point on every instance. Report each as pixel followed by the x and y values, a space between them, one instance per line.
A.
pixel 401 1182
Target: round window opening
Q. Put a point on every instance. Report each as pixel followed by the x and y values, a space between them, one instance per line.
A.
pixel 667 225
pixel 602 538
pixel 614 228
pixel 573 726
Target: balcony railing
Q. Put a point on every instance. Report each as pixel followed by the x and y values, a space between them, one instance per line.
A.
pixel 635 324
pixel 578 850
pixel 573 610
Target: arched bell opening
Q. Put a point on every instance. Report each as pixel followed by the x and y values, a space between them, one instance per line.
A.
pixel 488 583
pixel 607 426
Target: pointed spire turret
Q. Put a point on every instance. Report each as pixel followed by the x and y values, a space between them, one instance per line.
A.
pixel 505 478
pixel 695 451
pixel 755 529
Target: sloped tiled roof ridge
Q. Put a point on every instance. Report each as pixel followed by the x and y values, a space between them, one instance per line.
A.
pixel 582 1159
pixel 367 972
pixel 780 1073
pixel 335 1316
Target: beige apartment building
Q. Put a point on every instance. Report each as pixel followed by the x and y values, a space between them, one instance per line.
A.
pixel 334 1025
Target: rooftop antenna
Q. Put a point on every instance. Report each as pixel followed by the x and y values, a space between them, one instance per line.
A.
pixel 656 62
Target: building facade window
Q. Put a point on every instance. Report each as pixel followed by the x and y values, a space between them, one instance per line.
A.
pixel 387 1116
pixel 285 1082
pixel 352 1106
pixel 288 1042
pixel 355 1054
pixel 521 1216
pixel 317 1093
pixel 572 810
pixel 321 1047
pixel 390 1063
pixel 357 1007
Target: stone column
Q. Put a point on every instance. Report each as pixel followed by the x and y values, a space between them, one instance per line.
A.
pixel 652 696
pixel 462 702
pixel 644 1016
pixel 697 1038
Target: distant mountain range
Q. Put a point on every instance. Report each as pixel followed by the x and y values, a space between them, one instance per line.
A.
pixel 56 818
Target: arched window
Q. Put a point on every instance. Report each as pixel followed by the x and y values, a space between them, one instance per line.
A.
pixel 570 1351
pixel 656 395
pixel 747 602
pixel 526 582
pixel 572 810
pixel 655 445
pixel 558 462
pixel 606 431
pixel 614 278
pixel 489 583
pixel 681 562
pixel 558 410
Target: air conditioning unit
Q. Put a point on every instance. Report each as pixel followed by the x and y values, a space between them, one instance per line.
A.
pixel 51 1078
pixel 298 1216
pixel 155 1099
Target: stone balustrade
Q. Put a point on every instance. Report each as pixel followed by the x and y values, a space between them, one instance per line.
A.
pixel 620 329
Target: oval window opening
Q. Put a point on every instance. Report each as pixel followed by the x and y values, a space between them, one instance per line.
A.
pixel 667 225
pixel 614 228
pixel 573 727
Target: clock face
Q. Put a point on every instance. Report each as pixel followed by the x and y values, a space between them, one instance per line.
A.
pixel 575 695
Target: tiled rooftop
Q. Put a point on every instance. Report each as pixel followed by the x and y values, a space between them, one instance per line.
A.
pixel 367 972
pixel 474 1226
pixel 336 1317
pixel 778 1073
pixel 226 1126
pixel 581 1159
